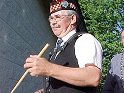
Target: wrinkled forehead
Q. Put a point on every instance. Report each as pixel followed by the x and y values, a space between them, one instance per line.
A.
pixel 61 12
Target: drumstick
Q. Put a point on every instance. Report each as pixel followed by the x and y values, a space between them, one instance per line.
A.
pixel 26 72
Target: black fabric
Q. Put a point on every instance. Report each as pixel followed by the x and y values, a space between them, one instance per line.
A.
pixel 81 26
pixel 109 84
pixel 67 58
pixel 112 84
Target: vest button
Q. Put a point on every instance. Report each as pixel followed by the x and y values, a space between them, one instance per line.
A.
pixel 49 90
pixel 47 79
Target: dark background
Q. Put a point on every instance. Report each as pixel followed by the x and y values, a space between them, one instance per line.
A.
pixel 24 30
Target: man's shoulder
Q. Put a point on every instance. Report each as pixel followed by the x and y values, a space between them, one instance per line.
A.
pixel 117 57
pixel 86 36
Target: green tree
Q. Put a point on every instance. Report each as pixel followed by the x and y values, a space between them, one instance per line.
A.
pixel 102 18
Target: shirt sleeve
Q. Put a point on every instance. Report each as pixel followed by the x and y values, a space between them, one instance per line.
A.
pixel 88 50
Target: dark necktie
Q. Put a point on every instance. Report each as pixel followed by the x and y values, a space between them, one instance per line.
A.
pixel 56 49
pixel 59 41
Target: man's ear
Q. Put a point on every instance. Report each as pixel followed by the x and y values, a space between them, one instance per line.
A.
pixel 73 19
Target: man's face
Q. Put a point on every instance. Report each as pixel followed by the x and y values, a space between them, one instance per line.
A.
pixel 122 37
pixel 60 23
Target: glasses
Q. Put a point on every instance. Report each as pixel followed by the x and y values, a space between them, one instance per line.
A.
pixel 56 18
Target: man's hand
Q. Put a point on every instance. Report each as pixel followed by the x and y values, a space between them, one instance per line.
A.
pixel 37 66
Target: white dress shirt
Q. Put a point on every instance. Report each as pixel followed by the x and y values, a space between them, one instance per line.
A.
pixel 88 49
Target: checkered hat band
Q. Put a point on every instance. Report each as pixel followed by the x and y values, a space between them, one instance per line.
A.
pixel 57 7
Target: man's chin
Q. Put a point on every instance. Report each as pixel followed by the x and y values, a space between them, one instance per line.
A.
pixel 56 33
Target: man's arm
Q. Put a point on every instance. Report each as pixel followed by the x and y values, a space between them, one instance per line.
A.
pixel 86 76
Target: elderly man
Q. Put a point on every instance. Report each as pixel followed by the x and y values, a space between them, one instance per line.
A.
pixel 75 63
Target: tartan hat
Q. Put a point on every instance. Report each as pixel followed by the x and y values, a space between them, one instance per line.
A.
pixel 57 5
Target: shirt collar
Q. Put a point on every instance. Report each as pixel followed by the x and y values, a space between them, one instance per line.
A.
pixel 65 38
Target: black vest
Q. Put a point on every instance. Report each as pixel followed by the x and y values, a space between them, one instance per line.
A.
pixel 67 58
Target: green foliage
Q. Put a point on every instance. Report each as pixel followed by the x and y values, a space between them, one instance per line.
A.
pixel 101 18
